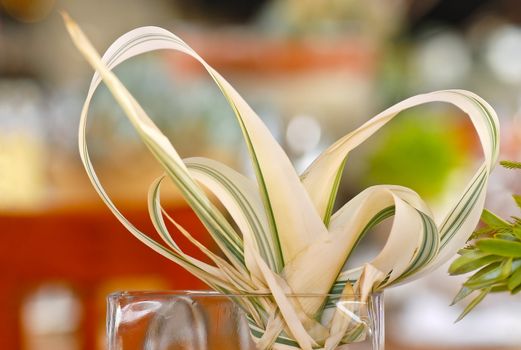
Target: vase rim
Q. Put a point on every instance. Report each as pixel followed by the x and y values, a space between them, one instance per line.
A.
pixel 213 293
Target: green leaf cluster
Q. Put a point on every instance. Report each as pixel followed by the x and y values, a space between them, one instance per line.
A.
pixel 510 164
pixel 494 254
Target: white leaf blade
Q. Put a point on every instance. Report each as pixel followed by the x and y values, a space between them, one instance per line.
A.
pixel 291 213
pixel 240 198
pixel 294 217
pixel 319 178
pixel 217 225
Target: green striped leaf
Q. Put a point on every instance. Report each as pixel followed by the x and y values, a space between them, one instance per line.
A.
pixel 241 198
pixel 222 232
pixel 223 267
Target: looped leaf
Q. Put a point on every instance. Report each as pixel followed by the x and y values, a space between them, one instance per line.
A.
pixel 289 241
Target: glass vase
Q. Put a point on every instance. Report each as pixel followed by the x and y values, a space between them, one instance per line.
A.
pixel 207 320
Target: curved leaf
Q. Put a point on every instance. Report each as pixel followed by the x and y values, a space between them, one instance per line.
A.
pixel 221 231
pixel 473 303
pixel 319 178
pixel 223 268
pixel 500 247
pixel 472 261
pixel 241 198
pixel 290 212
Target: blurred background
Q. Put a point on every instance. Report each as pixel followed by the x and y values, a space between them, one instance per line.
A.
pixel 313 70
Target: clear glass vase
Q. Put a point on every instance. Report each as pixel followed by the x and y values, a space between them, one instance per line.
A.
pixel 205 320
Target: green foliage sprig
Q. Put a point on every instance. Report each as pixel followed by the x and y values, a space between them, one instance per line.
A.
pixel 494 253
pixel 510 164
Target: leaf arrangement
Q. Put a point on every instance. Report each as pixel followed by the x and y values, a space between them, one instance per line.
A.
pixel 288 240
pixel 495 252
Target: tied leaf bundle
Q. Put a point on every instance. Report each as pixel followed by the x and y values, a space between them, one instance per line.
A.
pixel 288 240
pixel 495 252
